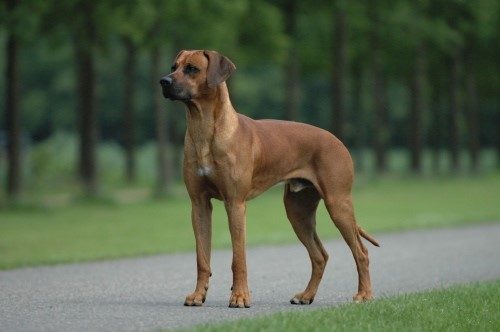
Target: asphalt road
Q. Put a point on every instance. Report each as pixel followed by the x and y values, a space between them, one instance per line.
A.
pixel 148 293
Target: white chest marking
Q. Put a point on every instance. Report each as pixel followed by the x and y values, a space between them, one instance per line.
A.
pixel 204 170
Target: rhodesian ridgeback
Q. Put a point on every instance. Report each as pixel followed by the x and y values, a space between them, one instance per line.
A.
pixel 233 158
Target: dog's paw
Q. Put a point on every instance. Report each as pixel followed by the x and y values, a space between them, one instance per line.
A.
pixel 195 299
pixel 239 300
pixel 302 298
pixel 363 296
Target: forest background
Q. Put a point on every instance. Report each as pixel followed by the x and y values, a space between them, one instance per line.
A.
pixel 411 87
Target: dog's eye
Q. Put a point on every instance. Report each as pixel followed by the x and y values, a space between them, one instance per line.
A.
pixel 173 68
pixel 190 69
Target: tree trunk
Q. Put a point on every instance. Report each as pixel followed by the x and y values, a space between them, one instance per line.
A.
pixel 292 71
pixel 86 106
pixel 339 49
pixel 381 129
pixel 436 122
pixel 455 105
pixel 12 113
pixel 128 109
pixel 358 114
pixel 417 109
pixel 472 116
pixel 163 166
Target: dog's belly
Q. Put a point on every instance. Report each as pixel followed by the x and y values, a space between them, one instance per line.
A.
pixel 297 180
pixel 296 185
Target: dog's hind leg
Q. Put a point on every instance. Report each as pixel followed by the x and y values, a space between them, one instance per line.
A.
pixel 301 211
pixel 341 211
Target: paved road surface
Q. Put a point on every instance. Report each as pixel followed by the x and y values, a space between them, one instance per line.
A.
pixel 148 293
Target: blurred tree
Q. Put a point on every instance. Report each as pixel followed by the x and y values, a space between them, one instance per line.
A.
pixel 261 39
pixel 471 48
pixel 417 82
pixel 12 109
pixel 485 61
pixel 440 42
pixel 133 22
pixel 129 69
pixel 358 49
pixel 21 25
pixel 164 168
pixel 339 50
pixel 457 12
pixel 292 95
pixel 87 31
pixel 381 129
pixel 357 109
pixel 436 121
pixel 258 86
pixel 418 23
pixel 460 49
pixel 472 109
pixel 455 67
pixel 84 39
pixel 156 36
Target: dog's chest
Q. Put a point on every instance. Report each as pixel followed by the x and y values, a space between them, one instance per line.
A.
pixel 214 181
pixel 209 153
pixel 204 170
pixel 214 164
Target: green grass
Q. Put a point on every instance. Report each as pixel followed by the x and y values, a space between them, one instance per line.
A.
pixel 474 307
pixel 90 231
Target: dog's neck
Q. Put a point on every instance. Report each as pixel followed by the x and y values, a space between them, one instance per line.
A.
pixel 210 122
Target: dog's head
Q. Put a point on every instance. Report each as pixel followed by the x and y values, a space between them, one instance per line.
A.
pixel 195 74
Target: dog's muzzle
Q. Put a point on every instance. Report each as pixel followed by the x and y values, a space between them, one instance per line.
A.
pixel 171 91
pixel 166 87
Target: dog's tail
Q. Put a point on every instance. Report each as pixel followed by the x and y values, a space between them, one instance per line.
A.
pixel 368 237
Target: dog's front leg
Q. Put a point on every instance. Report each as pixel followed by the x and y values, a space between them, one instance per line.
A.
pixel 201 216
pixel 240 296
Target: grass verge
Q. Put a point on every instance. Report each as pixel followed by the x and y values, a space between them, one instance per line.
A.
pixel 474 307
pixel 91 231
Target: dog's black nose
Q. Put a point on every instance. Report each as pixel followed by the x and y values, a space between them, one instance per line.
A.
pixel 165 81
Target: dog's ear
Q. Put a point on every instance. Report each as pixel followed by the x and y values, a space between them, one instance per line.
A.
pixel 219 68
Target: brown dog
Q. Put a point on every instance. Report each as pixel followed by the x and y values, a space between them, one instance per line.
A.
pixel 233 158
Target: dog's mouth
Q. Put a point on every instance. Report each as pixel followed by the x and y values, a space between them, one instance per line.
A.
pixel 167 94
pixel 173 94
